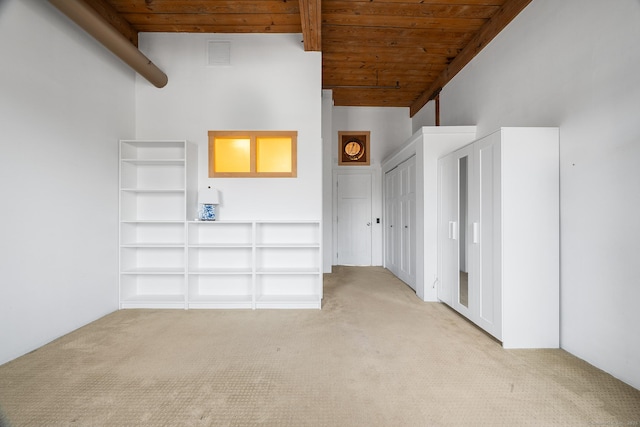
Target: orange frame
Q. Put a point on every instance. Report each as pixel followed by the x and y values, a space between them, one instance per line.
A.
pixel 253 136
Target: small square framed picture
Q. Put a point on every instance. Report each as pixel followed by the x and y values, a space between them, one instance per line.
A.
pixel 353 148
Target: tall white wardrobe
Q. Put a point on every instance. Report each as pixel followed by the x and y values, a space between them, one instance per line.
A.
pixel 498 235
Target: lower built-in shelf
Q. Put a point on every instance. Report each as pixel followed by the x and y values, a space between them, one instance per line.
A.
pixel 221 264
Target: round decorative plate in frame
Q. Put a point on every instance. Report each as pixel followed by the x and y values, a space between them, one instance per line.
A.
pixel 353 148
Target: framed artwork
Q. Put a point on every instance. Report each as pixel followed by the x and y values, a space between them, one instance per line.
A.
pixel 353 148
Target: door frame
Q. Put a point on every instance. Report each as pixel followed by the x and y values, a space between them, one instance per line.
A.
pixel 352 170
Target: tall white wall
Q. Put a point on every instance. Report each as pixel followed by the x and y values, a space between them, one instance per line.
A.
pixel 390 128
pixel 327 180
pixel 65 101
pixel 270 84
pixel 574 64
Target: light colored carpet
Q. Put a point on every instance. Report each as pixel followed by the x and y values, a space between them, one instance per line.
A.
pixel 375 355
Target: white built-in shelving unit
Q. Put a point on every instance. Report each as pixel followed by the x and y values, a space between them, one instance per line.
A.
pixel 288 264
pixel 254 264
pixel 167 261
pixel 153 192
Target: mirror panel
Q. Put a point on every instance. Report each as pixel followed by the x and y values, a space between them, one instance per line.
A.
pixel 463 206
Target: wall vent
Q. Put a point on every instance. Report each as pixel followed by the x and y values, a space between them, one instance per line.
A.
pixel 218 53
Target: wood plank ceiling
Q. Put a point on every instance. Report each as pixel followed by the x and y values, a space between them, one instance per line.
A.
pixel 392 53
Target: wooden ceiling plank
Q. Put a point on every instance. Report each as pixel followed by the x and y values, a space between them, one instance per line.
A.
pixel 231 29
pixel 310 16
pixel 111 15
pixel 216 19
pixel 437 55
pixel 448 2
pixel 388 74
pixel 509 10
pixel 393 36
pixel 414 10
pixel 412 22
pixel 379 58
pixel 206 6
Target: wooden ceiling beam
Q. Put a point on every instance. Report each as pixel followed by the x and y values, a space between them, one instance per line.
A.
pixel 311 19
pixel 111 15
pixel 509 10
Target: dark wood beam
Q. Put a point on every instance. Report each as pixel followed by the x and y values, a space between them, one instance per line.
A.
pixel 310 17
pixel 112 16
pixel 509 10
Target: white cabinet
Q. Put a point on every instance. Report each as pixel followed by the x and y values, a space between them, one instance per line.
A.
pixel 499 235
pixel 153 200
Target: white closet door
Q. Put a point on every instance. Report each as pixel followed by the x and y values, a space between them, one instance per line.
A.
pixel 391 220
pixel 354 219
pixel 447 229
pixel 488 234
pixel 407 230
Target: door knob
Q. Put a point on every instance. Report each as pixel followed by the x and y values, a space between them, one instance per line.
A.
pixel 368 224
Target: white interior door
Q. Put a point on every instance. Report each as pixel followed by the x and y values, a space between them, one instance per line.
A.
pixel 408 222
pixel 391 220
pixel 354 219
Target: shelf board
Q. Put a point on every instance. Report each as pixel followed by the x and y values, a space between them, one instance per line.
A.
pixel 152 245
pixel 213 271
pixel 153 221
pixel 221 245
pixel 153 271
pixel 154 297
pixel 220 298
pixel 287 245
pixel 155 162
pixel 153 190
pixel 221 222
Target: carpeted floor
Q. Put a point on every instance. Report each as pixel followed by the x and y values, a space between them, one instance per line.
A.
pixel 375 355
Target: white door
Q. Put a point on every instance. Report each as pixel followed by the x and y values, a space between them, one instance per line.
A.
pixel 449 231
pixel 354 219
pixel 487 230
pixel 408 222
pixel 391 222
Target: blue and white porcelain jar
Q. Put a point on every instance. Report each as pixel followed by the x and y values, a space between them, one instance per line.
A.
pixel 207 212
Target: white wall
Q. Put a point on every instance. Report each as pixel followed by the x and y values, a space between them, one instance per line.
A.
pixel 271 84
pixel 65 103
pixel 390 128
pixel 327 180
pixel 574 64
pixel 425 117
